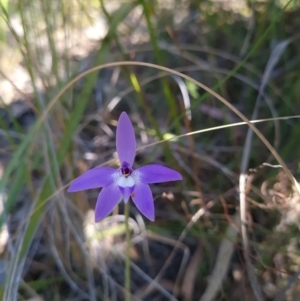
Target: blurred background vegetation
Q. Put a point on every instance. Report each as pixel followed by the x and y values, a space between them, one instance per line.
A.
pixel 230 230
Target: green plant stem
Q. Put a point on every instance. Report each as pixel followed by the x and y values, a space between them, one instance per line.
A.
pixel 127 258
pixel 134 81
pixel 157 53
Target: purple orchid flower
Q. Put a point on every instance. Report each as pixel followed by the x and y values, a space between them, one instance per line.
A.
pixel 124 182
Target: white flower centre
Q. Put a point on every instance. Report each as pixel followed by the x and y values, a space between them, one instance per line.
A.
pixel 126 181
pixel 136 175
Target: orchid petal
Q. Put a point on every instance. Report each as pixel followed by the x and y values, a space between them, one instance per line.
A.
pixel 126 192
pixel 125 142
pixel 155 173
pixel 143 199
pixel 94 178
pixel 107 201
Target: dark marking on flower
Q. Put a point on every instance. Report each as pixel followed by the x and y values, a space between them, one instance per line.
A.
pixel 132 195
pixel 126 169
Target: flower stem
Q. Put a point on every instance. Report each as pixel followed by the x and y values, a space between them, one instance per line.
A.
pixel 127 258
